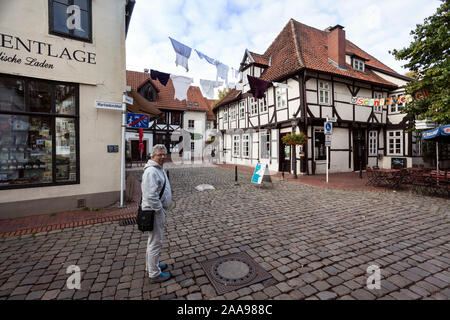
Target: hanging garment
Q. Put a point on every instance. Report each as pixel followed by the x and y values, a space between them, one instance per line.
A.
pixel 161 76
pixel 222 72
pixel 232 85
pixel 258 87
pixel 280 85
pixel 204 56
pixel 181 85
pixel 183 53
pixel 208 87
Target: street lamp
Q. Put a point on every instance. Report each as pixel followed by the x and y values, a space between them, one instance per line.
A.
pixel 294 155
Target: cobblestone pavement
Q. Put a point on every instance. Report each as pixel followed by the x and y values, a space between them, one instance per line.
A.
pixel 316 243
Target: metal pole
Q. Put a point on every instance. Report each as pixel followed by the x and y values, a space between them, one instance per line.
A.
pixel 122 162
pixel 327 164
pixel 437 162
pixel 235 175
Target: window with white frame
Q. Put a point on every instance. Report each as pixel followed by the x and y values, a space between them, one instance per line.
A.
pixel 373 143
pixel 262 105
pixel 225 115
pixel 281 97
pixel 324 93
pixel 265 145
pixel 395 142
pixel 233 113
pixel 242 110
pixel 377 107
pixel 236 145
pixel 253 106
pixel 358 65
pixel 245 145
pixel 396 106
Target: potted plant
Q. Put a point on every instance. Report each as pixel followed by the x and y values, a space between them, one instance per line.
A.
pixel 293 139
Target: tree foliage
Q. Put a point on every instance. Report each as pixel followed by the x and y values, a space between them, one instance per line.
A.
pixel 221 94
pixel 428 60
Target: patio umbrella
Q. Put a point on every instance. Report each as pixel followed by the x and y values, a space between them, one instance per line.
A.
pixel 439 134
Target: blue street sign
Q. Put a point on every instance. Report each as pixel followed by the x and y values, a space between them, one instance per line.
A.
pixel 137 120
pixel 328 127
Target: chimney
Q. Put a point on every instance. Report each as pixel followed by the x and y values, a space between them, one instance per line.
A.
pixel 146 70
pixel 336 45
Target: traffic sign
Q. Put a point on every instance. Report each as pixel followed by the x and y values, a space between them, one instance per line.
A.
pixel 333 119
pixel 328 137
pixel 328 143
pixel 328 126
pixel 137 120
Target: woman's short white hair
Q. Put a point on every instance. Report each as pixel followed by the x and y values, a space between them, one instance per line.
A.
pixel 158 147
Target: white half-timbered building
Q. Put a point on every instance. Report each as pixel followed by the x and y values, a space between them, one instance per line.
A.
pixel 324 71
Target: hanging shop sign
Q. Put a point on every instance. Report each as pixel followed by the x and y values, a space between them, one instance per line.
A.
pixel 372 102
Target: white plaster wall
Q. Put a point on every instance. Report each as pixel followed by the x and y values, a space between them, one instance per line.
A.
pixel 105 80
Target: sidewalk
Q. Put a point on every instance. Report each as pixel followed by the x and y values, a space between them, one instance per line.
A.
pixel 343 181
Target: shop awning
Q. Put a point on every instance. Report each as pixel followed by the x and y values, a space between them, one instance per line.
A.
pixel 142 105
pixel 440 134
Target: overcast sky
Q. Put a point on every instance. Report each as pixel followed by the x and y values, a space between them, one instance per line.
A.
pixel 223 29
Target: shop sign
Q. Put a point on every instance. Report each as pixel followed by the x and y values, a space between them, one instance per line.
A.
pixel 36 52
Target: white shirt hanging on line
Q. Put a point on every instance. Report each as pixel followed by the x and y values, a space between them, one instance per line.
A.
pixel 181 85
pixel 222 72
pixel 208 87
pixel 281 85
pixel 183 53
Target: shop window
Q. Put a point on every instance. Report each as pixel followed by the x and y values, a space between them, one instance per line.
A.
pixel 319 145
pixel 395 142
pixel 71 18
pixel 38 146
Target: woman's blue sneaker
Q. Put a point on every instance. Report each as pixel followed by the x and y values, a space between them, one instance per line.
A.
pixel 162 277
pixel 162 266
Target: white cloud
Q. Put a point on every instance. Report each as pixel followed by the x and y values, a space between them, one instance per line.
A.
pixel 223 29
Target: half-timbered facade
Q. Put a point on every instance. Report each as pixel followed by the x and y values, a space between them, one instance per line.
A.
pixel 193 115
pixel 323 72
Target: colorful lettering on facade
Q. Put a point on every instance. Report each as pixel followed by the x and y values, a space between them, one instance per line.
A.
pixel 371 102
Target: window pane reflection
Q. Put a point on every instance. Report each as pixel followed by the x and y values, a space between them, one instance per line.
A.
pixel 65 99
pixel 66 161
pixel 40 96
pixel 12 94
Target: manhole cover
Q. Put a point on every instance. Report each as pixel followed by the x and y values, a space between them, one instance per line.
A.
pixel 233 272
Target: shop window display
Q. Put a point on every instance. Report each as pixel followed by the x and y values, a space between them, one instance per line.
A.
pixel 37 149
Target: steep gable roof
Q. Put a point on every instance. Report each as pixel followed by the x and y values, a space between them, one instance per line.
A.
pixel 166 93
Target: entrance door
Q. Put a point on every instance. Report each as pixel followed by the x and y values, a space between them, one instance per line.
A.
pixel 359 149
pixel 285 155
pixel 135 155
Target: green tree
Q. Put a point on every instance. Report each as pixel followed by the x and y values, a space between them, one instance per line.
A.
pixel 221 94
pixel 428 59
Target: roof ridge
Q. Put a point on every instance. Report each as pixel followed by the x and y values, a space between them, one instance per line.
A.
pixel 297 43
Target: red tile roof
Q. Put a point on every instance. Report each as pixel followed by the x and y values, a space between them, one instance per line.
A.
pixel 166 93
pixel 299 46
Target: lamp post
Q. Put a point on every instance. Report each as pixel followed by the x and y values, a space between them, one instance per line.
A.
pixel 294 153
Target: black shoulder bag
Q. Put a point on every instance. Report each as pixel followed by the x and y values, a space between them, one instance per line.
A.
pixel 146 218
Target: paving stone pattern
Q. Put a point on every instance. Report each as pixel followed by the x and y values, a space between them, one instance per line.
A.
pixel 316 243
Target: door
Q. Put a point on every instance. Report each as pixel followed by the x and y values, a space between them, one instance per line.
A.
pixel 359 149
pixel 285 155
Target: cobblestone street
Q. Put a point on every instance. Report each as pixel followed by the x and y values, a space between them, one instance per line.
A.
pixel 316 243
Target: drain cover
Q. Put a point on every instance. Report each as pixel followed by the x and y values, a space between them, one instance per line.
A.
pixel 127 222
pixel 233 272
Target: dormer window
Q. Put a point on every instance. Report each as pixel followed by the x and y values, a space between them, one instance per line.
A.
pixel 358 65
